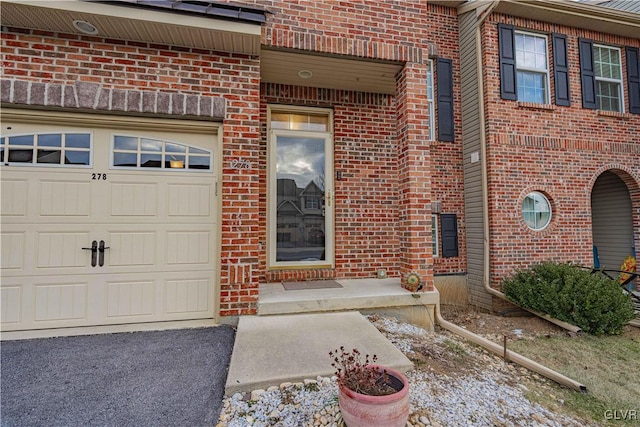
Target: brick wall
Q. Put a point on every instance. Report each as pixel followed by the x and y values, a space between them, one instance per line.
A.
pixel 368 199
pixel 559 151
pixel 366 139
pixel 130 67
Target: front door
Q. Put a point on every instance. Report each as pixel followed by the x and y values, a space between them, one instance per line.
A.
pixel 300 198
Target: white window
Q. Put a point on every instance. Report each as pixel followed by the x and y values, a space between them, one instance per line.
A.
pixel 52 149
pixel 536 211
pixel 140 152
pixel 434 235
pixel 430 104
pixel 532 68
pixel 608 70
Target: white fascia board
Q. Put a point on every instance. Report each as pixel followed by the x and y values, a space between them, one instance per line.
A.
pixel 147 15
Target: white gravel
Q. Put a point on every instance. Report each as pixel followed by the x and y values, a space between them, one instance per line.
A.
pixel 478 390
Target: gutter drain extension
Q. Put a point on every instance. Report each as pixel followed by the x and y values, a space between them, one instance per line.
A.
pixel 484 13
pixel 508 355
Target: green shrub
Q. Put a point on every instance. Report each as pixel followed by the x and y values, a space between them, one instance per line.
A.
pixel 593 302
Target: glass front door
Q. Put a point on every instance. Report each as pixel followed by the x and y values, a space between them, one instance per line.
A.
pixel 301 206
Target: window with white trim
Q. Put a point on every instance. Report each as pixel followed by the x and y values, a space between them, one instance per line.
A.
pixel 61 148
pixel 532 68
pixel 608 72
pixel 434 236
pixel 536 211
pixel 141 152
pixel 430 102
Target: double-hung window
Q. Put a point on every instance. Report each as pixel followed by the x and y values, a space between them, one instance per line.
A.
pixel 532 68
pixel 602 77
pixel 608 75
pixel 430 104
pixel 525 72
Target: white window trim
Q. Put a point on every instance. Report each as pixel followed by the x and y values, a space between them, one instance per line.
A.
pixel 606 79
pixel 34 147
pixel 544 196
pixel 536 70
pixel 431 102
pixel 272 226
pixel 436 243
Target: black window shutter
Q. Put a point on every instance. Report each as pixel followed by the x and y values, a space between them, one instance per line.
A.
pixel 588 74
pixel 506 42
pixel 445 100
pixel 561 69
pixel 449 231
pixel 633 79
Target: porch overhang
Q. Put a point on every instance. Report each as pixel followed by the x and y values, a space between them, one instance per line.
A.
pixel 139 22
pixel 300 68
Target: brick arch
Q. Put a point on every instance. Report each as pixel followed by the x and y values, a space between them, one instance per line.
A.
pixel 632 182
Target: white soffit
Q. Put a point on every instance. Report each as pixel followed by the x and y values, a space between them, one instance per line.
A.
pixel 328 72
pixel 127 23
pixel 573 14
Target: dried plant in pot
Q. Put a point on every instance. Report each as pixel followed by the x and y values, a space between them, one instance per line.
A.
pixel 369 395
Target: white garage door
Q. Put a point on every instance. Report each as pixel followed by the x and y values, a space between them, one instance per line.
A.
pixel 107 221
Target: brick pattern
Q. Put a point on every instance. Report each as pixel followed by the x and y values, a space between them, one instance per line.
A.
pixel 414 170
pixel 376 188
pixel 447 186
pixel 72 71
pixel 377 30
pixel 240 193
pixel 557 150
pixel 408 31
pixel 86 96
pixel 366 199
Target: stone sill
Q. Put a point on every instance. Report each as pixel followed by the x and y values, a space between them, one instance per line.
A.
pixel 535 106
pixel 615 114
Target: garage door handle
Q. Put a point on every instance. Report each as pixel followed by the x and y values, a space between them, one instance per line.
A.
pixel 94 251
pixel 101 249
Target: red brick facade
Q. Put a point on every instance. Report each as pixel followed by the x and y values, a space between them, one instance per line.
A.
pixel 391 173
pixel 557 150
pixel 382 203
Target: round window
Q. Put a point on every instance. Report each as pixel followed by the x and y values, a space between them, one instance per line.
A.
pixel 536 210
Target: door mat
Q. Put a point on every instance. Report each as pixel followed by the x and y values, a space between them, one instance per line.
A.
pixel 310 284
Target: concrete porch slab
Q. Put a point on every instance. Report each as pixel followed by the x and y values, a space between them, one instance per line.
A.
pixel 355 294
pixel 270 350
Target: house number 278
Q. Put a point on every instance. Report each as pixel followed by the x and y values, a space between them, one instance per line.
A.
pixel 240 164
pixel 99 176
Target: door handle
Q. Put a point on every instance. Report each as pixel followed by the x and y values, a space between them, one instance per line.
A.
pixel 101 250
pixel 94 252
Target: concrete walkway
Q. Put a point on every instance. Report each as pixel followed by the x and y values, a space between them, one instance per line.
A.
pixel 270 350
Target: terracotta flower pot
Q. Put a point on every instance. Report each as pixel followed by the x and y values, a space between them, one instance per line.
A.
pixel 361 410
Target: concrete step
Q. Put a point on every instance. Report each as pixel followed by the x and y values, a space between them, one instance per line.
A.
pixel 355 294
pixel 270 350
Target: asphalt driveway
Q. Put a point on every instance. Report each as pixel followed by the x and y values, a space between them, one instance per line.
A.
pixel 164 378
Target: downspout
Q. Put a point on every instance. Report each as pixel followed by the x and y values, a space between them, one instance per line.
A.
pixel 476 339
pixel 509 355
pixel 485 186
